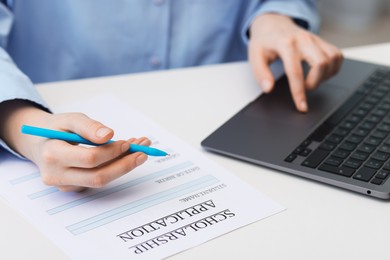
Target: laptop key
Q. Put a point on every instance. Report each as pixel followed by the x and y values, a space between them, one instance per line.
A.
pixel 354 139
pixel 359 156
pixel 373 141
pixel 305 152
pixel 305 143
pixel 379 134
pixel 367 125
pixel 340 153
pixel 334 161
pixel 373 164
pixel 348 125
pixel 298 150
pixel 364 174
pixel 380 156
pixel 341 132
pixel 366 106
pixel 366 148
pixel 315 158
pixel 386 120
pixel 291 157
pixel 344 171
pixel 372 100
pixel 384 148
pixel 384 127
pixel 334 139
pixel 384 106
pixel 382 174
pixel 327 146
pixel 386 166
pixel 361 132
pixel 360 112
pixel 351 163
pixel 347 146
pixel 377 181
pixel 379 112
pixel 374 118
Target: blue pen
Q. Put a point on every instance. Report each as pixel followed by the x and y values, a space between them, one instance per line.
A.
pixel 75 138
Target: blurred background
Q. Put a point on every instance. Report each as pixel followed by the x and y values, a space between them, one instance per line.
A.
pixel 349 23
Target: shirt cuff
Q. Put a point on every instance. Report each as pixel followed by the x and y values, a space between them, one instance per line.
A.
pixel 15 85
pixel 303 13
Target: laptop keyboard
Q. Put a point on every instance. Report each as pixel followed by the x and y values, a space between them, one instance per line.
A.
pixel 355 140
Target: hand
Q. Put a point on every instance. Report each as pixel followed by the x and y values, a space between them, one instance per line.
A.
pixel 71 167
pixel 274 36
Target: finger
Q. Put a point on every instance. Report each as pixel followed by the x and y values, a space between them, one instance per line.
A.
pixel 260 61
pixel 334 55
pixel 70 188
pixel 320 66
pixel 293 68
pixel 88 128
pixel 83 157
pixel 101 176
pixel 142 141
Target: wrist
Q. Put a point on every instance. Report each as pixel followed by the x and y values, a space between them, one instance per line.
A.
pixel 15 113
pixel 269 21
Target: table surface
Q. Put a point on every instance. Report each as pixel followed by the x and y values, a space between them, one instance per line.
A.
pixel 321 222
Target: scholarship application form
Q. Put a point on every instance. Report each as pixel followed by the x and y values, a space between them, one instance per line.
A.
pixel 165 206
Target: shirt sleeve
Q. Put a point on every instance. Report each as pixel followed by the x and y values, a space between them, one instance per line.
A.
pixel 304 12
pixel 13 83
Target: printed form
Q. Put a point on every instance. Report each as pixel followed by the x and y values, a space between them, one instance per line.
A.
pixel 167 205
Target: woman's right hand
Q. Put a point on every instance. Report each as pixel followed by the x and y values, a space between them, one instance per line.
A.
pixel 69 167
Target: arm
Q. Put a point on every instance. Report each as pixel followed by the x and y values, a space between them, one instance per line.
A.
pixel 274 34
pixel 66 166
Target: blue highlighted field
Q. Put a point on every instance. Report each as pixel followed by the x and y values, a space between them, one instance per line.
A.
pixel 25 178
pixel 42 193
pixel 144 203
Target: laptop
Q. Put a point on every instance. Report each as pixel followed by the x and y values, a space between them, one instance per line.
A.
pixel 344 139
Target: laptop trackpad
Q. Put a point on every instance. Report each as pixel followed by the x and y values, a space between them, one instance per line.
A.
pixel 278 107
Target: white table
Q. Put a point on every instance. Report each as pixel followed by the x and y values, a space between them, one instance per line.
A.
pixel 321 222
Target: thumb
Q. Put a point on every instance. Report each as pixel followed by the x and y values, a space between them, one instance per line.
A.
pixel 88 128
pixel 261 71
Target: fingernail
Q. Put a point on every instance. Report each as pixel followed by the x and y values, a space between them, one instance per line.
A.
pixel 303 106
pixel 145 142
pixel 102 132
pixel 141 159
pixel 266 85
pixel 125 147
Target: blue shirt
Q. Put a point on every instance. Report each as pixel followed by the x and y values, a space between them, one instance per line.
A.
pixel 51 40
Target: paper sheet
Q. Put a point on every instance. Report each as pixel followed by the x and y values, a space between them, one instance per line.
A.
pixel 167 205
